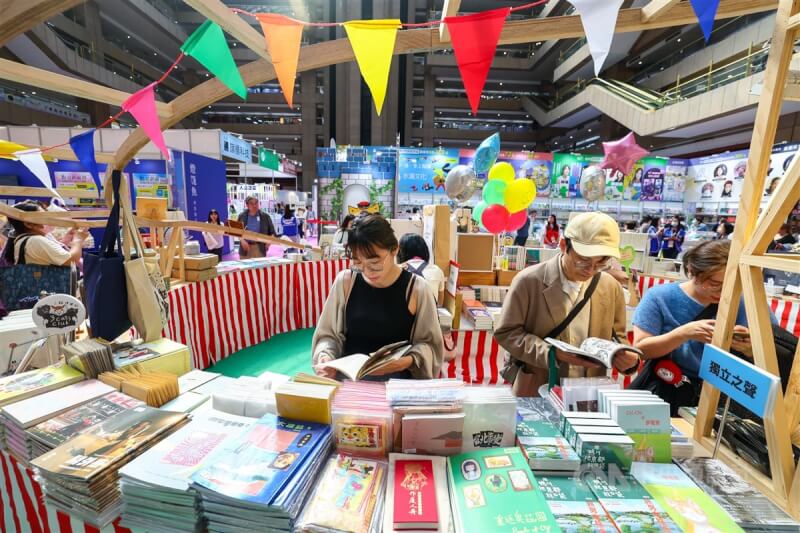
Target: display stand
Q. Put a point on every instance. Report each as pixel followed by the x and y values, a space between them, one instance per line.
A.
pixel 744 276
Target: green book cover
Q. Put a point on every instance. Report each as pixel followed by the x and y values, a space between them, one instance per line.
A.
pixel 574 506
pixel 494 490
pixel 687 504
pixel 536 428
pixel 630 506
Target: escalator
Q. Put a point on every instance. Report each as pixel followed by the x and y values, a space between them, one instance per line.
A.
pixel 642 97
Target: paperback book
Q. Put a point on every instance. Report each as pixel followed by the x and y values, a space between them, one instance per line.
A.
pixel 545 448
pixel 433 434
pixel 574 505
pixel 437 483
pixel 17 387
pixel 596 350
pixel 630 506
pixel 358 366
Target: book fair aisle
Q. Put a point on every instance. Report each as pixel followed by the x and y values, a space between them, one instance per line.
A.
pixel 386 267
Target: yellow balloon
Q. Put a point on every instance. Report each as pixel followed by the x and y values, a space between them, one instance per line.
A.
pixel 519 194
pixel 502 172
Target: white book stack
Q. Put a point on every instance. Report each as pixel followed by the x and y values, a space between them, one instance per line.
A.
pixel 490 417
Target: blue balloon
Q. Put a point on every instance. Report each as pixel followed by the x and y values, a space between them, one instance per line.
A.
pixel 487 153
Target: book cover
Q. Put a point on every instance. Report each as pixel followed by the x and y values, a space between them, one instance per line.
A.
pixel 414 502
pixel 93 451
pixel 630 506
pixel 494 490
pixel 433 434
pixel 20 386
pixel 536 428
pixel 440 478
pixel 256 465
pixel 347 494
pixel 60 429
pixel 549 453
pixel 687 504
pixel 574 506
pixel 649 426
pixel 489 424
pixel 32 411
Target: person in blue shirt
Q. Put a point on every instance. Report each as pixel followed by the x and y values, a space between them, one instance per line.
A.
pixel 290 226
pixel 653 235
pixel 675 320
pixel 672 238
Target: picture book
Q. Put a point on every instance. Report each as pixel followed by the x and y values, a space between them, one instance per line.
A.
pixel 438 484
pixel 17 387
pixel 687 504
pixel 648 424
pixel 494 490
pixel 257 464
pixel 596 350
pixel 630 506
pixel 91 452
pixel 357 366
pixel 414 502
pixel 433 434
pixel 574 506
pixel 544 447
pixel 347 495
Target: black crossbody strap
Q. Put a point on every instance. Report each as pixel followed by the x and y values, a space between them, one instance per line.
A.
pixel 23 242
pixel 558 330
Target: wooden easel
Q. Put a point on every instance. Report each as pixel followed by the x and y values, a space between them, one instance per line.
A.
pixel 744 276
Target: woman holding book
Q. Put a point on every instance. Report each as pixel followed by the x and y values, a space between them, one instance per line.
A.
pixel 377 303
pixel 674 321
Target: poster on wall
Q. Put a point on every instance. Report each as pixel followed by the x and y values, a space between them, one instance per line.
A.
pixel 205 190
pixel 652 171
pixel 675 180
pixel 717 178
pixel 536 166
pixel 782 156
pixel 77 181
pixel 565 182
pixel 150 185
pixel 424 169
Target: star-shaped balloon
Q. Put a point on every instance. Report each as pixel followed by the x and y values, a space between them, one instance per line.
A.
pixel 622 154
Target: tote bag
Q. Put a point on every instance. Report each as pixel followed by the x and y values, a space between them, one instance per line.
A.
pixel 104 278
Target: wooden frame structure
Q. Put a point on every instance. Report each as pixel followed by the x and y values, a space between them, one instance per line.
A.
pixel 751 236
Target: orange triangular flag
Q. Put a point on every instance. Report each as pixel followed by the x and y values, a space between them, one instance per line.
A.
pixel 283 36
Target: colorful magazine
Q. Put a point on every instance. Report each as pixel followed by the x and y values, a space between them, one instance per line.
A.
pixel 573 504
pixel 494 490
pixel 20 386
pixel 255 466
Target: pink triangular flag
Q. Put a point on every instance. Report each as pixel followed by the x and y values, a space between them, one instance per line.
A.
pixel 142 105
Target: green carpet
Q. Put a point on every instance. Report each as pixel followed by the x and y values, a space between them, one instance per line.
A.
pixel 288 354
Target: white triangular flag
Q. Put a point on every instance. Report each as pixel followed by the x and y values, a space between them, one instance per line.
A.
pixel 599 20
pixel 33 161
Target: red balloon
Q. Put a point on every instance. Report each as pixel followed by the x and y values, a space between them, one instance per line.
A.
pixel 516 220
pixel 495 218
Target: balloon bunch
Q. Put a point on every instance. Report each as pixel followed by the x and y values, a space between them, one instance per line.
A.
pixel 505 200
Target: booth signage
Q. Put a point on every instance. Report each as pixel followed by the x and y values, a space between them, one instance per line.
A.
pixel 235 148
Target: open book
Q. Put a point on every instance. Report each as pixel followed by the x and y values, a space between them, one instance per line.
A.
pixel 596 350
pixel 359 365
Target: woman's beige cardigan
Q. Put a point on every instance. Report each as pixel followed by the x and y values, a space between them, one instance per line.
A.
pixel 427 347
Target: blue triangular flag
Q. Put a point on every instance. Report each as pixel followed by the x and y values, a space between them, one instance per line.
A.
pixel 706 11
pixel 83 146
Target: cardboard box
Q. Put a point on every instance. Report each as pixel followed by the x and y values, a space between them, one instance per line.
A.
pixel 196 275
pixel 476 252
pixel 476 278
pixel 505 277
pixel 200 262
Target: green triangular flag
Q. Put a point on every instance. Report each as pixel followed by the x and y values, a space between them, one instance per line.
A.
pixel 207 45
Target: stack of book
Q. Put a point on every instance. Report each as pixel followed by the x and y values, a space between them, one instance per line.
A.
pixel 20 416
pixel 361 418
pixel 494 490
pixel 490 293
pixel 538 409
pixel 200 267
pixel 645 418
pixel 155 486
pixel 580 394
pixel 259 480
pixel 17 387
pixel 495 310
pixel 417 478
pixel 52 433
pixel 153 388
pixel 468 293
pixel 444 391
pixel 308 402
pixel 163 355
pixel 681 444
pixel 445 317
pixel 90 356
pixel 477 315
pixel 574 505
pixel 630 506
pixel 598 440
pixel 349 496
pixel 80 476
pixel 490 417
pixel 750 509
pixel 514 256
pixel 545 447
pixel 243 396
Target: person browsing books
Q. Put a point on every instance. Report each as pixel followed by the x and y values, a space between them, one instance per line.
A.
pixel 375 304
pixel 415 257
pixel 674 321
pixel 542 297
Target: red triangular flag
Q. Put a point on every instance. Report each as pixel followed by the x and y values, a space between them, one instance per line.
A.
pixel 474 40
pixel 142 105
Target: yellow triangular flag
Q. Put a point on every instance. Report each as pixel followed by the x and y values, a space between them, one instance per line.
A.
pixel 373 45
pixel 8 148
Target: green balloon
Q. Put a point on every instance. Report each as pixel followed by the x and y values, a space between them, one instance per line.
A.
pixel 494 192
pixel 478 211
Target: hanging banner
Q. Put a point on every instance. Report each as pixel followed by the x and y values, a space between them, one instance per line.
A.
pixel 373 46
pixel 566 176
pixel 283 36
pixel 235 148
pixel 33 161
pixel 83 146
pixel 706 12
pixel 142 105
pixel 424 170
pixel 599 21
pixel 78 181
pixel 150 185
pixel 269 159
pixel 208 46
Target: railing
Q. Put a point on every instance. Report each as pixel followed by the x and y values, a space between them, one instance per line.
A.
pixel 572 49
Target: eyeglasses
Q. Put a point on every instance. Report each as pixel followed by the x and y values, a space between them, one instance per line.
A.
pixel 372 265
pixel 585 263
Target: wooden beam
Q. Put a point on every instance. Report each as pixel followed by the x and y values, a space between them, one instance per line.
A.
pixel 43 79
pixel 232 24
pixel 423 40
pixel 450 9
pixel 21 15
pixel 41 192
pixel 794 22
pixel 656 8
pixel 786 263
pixel 49 218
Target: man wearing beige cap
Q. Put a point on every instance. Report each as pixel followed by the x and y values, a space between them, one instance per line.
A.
pixel 568 297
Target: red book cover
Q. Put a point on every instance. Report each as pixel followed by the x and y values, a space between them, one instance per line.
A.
pixel 415 495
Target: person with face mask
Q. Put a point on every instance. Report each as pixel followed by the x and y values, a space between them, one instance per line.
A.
pixel 672 238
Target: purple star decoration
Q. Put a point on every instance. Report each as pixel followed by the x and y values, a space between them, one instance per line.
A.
pixel 622 154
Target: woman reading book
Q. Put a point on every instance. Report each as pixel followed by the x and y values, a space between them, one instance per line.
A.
pixel 377 303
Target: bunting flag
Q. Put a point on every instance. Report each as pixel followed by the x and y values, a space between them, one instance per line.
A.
pixel 33 161
pixel 208 46
pixel 474 39
pixel 373 46
pixel 83 146
pixel 283 36
pixel 142 105
pixel 706 11
pixel 7 149
pixel 599 20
